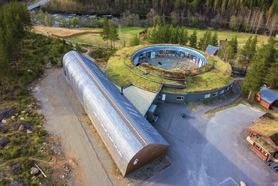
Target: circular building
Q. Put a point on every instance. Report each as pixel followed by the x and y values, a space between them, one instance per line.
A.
pixel 169 57
pixel 172 70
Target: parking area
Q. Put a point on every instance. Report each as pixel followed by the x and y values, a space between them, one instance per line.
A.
pixel 209 150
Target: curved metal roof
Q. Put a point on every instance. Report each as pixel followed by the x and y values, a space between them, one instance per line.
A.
pixel 125 132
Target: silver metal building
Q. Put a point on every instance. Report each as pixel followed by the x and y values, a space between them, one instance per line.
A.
pixel 128 136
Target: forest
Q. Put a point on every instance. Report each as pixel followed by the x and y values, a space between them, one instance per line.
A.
pixel 256 16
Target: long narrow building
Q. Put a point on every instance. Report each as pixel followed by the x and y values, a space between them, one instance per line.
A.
pixel 130 139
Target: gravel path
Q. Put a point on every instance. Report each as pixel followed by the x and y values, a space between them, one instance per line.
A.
pixel 65 118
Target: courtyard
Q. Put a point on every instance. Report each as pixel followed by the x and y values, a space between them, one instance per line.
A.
pixel 199 142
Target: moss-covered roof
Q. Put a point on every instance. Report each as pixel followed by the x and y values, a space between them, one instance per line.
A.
pixel 266 125
pixel 121 70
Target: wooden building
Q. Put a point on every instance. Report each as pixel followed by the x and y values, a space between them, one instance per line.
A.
pixel 263 137
pixel 268 98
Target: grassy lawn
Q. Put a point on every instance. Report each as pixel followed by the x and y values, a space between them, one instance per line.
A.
pixel 125 35
pixel 222 35
pixel 123 72
pixel 91 36
pixel 216 78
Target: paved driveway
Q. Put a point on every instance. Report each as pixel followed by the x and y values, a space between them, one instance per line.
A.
pixel 209 151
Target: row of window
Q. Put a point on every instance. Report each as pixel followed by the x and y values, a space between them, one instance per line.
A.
pixel 214 94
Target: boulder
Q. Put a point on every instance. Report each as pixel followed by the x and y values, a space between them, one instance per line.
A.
pixel 16 183
pixel 4 142
pixel 3 128
pixel 23 126
pixel 34 170
pixel 15 168
pixel 6 113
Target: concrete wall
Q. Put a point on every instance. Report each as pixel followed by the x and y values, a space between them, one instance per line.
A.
pixel 196 96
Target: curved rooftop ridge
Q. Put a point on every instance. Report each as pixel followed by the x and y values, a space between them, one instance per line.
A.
pixel 130 139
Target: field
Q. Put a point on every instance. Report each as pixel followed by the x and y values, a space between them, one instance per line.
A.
pixel 125 35
pixel 64 32
pixel 122 72
pixel 223 35
pixel 91 36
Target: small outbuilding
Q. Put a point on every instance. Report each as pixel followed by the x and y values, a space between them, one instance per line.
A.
pixel 212 50
pixel 268 98
pixel 263 137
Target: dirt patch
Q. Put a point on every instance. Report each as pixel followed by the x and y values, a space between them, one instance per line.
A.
pixel 63 32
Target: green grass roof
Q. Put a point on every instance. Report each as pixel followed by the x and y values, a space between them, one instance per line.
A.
pixel 121 70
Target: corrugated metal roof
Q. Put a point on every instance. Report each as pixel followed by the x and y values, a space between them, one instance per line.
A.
pixel 211 50
pixel 122 128
pixel 140 98
pixel 268 95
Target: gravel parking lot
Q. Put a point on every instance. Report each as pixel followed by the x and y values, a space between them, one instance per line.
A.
pixel 209 151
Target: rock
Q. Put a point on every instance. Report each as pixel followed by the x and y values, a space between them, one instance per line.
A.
pixel 4 142
pixel 34 170
pixel 241 183
pixel 15 168
pixel 3 128
pixel 22 118
pixel 28 131
pixel 16 183
pixel 24 126
pixel 13 117
pixel 6 113
pixel 4 121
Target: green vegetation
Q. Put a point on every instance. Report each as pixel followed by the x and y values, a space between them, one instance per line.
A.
pixel 23 57
pixel 110 32
pixel 125 36
pixel 246 15
pixel 123 72
pixel 218 77
pixel 263 68
pixel 247 52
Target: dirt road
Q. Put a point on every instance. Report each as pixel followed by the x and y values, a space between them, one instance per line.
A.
pixel 66 119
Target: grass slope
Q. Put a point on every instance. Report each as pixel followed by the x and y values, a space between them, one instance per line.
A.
pixel 123 72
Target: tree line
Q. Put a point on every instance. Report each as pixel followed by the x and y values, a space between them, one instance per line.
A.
pixel 263 69
pixel 14 21
pixel 164 33
pixel 257 16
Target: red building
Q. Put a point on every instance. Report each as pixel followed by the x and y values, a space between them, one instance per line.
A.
pixel 263 138
pixel 268 98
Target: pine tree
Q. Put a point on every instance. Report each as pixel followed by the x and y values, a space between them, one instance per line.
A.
pixel 14 21
pixel 214 39
pixel 262 62
pixel 106 30
pixel 184 38
pixel 113 34
pixel 193 40
pixel 272 75
pixel 135 41
pixel 229 53
pixel 247 52
pixel 234 44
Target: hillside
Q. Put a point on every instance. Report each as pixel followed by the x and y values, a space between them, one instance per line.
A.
pixel 247 15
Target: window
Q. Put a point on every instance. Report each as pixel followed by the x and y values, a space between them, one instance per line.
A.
pixel 214 94
pixel 180 98
pixel 222 92
pixel 207 96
